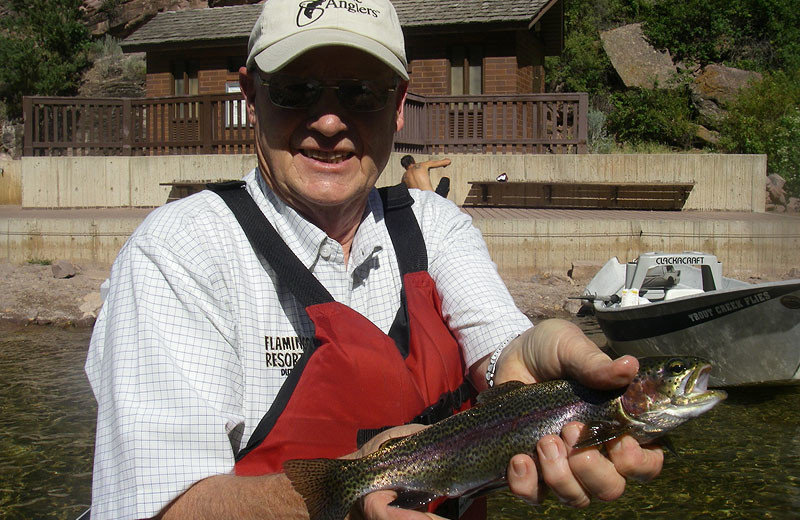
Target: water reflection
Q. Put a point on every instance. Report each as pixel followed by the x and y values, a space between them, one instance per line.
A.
pixel 741 460
pixel 46 424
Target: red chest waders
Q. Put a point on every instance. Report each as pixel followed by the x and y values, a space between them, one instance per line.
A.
pixel 355 380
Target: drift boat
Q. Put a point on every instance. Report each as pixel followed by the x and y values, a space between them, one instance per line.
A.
pixel 680 304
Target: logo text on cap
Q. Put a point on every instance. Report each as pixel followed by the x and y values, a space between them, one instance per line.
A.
pixel 312 10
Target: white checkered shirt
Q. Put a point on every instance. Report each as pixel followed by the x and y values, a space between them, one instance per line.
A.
pixel 196 337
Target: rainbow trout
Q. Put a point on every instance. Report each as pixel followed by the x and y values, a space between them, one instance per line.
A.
pixel 470 451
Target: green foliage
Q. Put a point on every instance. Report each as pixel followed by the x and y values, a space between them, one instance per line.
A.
pixel 598 139
pixel 584 66
pixel 765 119
pixel 653 115
pixel 39 261
pixel 753 34
pixel 43 50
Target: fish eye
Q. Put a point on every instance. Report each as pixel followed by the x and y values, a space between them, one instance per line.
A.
pixel 676 366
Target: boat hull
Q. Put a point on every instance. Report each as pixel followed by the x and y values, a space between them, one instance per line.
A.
pixel 750 335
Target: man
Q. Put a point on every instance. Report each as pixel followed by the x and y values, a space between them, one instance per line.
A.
pixel 417 175
pixel 289 316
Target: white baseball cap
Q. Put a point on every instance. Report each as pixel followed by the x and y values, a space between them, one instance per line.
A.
pixel 288 28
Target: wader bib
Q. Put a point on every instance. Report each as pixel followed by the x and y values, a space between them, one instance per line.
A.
pixel 355 381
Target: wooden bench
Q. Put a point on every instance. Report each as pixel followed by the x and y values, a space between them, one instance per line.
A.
pixel 578 195
pixel 181 189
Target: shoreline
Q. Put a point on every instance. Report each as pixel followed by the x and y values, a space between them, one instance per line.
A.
pixel 32 296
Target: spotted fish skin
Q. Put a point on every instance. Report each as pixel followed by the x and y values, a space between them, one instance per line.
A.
pixel 470 451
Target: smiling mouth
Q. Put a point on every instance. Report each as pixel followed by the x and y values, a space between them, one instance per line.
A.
pixel 327 157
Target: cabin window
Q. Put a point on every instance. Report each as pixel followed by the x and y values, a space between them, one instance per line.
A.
pixel 185 81
pixel 236 110
pixel 466 70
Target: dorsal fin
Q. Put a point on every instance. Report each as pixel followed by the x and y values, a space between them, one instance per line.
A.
pixel 490 394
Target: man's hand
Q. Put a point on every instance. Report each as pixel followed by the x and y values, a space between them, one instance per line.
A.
pixel 557 349
pixel 375 506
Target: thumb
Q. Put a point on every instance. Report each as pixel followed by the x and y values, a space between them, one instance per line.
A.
pixel 597 370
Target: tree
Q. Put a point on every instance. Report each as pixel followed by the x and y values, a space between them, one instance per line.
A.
pixel 43 49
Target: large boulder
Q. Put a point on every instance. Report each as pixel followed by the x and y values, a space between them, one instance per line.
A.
pixel 776 196
pixel 635 60
pixel 122 17
pixel 722 84
pixel 775 191
pixel 706 136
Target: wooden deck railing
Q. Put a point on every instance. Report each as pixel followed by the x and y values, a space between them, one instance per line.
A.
pixel 212 124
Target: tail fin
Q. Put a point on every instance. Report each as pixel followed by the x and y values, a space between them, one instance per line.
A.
pixel 319 482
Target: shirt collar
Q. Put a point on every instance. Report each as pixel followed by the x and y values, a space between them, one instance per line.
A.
pixel 305 239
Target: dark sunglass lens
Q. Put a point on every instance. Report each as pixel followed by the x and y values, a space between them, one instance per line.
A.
pixel 362 96
pixel 293 92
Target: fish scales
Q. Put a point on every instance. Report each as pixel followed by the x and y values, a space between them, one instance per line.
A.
pixel 470 451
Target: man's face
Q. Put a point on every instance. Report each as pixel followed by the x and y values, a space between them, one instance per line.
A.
pixel 324 159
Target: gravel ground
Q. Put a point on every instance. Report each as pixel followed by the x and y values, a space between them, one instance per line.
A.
pixel 29 294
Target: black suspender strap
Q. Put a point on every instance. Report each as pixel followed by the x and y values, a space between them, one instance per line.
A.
pixel 412 255
pixel 409 246
pixel 401 223
pixel 265 240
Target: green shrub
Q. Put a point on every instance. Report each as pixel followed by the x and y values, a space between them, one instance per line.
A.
pixel 597 136
pixel 653 115
pixel 765 119
pixel 43 50
pixel 751 34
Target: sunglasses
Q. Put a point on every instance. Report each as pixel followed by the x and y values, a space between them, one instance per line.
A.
pixel 354 94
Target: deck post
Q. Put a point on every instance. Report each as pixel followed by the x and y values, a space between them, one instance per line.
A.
pixel 206 124
pixel 583 121
pixel 27 115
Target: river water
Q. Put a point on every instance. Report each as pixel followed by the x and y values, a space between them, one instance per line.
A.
pixel 741 460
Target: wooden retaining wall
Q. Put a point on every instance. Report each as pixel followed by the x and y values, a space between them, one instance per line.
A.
pixel 721 182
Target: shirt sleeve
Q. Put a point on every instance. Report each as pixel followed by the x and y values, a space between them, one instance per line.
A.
pixel 475 301
pixel 166 376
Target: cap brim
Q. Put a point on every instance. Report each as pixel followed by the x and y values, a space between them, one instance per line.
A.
pixel 281 53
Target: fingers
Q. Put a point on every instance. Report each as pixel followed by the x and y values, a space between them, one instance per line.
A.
pixel 576 476
pixel 604 477
pixel 523 479
pixel 642 463
pixel 375 506
pixel 597 474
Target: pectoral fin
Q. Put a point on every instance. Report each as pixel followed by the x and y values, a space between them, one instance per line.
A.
pixel 412 499
pixel 599 432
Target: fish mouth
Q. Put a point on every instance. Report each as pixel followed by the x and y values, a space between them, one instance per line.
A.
pixel 693 391
pixel 697 382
